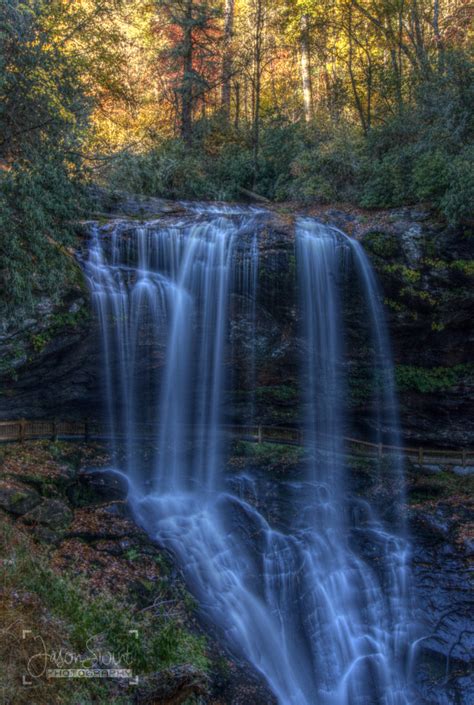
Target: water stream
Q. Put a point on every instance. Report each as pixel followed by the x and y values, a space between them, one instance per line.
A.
pixel 315 592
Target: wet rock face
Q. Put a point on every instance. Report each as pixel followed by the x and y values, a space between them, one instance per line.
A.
pixel 427 278
pixel 442 579
pixel 50 363
pixel 53 358
pixel 268 394
pixel 440 512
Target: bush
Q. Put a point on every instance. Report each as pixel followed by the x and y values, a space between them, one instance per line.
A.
pixel 170 170
pixel 280 142
pixel 38 202
pixel 426 152
pixel 434 379
pixel 231 171
pixel 328 167
pixel 387 178
pixel 430 175
pixel 456 202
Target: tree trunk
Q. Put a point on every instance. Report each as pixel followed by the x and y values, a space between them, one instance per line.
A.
pixel 187 81
pixel 437 34
pixel 227 57
pixel 350 67
pixel 369 94
pixel 259 22
pixel 237 106
pixel 306 69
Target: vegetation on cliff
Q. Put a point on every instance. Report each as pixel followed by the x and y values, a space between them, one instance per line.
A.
pixel 358 101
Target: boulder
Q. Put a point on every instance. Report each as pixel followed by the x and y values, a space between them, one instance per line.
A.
pixel 52 513
pixel 172 686
pixel 430 469
pixel 17 499
pixel 462 470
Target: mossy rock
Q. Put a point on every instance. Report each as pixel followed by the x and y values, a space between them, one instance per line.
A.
pixel 17 499
pixel 382 244
pixel 52 513
pixel 173 686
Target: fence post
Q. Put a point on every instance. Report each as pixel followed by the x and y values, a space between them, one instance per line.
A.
pixel 464 457
pixel 55 430
pixel 380 450
pixel 259 434
pixel 86 430
pixel 22 430
pixel 420 456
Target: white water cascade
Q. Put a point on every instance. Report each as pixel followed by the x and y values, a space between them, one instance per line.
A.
pixel 315 597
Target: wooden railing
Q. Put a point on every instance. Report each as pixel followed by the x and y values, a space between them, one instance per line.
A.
pixel 23 430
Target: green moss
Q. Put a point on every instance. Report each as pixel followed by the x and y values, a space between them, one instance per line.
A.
pixel 8 363
pixel 440 486
pixel 132 554
pixel 39 341
pixel 406 274
pixel 393 305
pixel 361 387
pixel 434 379
pixel 69 319
pixel 464 266
pixel 268 453
pixel 420 294
pixel 433 263
pixel 57 323
pixel 382 244
pixel 437 327
pixel 17 497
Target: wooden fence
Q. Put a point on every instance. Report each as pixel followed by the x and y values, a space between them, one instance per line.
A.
pixel 23 430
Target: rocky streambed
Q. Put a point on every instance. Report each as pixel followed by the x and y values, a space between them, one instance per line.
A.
pixel 65 522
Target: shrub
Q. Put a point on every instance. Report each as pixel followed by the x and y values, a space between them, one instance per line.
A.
pixel 329 166
pixel 170 170
pixel 231 171
pixel 430 175
pixel 430 380
pixel 38 202
pixel 456 202
pixel 388 180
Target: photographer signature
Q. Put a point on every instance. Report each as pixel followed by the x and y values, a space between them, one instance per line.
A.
pixel 44 659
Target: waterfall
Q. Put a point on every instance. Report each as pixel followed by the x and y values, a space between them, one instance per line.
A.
pixel 315 597
pixel 361 613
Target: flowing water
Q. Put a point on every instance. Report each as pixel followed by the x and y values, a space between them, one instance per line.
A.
pixel 313 591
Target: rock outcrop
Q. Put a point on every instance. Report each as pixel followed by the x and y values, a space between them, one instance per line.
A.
pixel 51 363
pixel 441 511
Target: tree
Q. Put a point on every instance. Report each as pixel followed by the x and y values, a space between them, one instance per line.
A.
pixel 54 71
pixel 306 67
pixel 227 57
pixel 192 37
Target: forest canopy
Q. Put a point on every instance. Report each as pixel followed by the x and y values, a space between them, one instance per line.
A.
pixel 363 101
